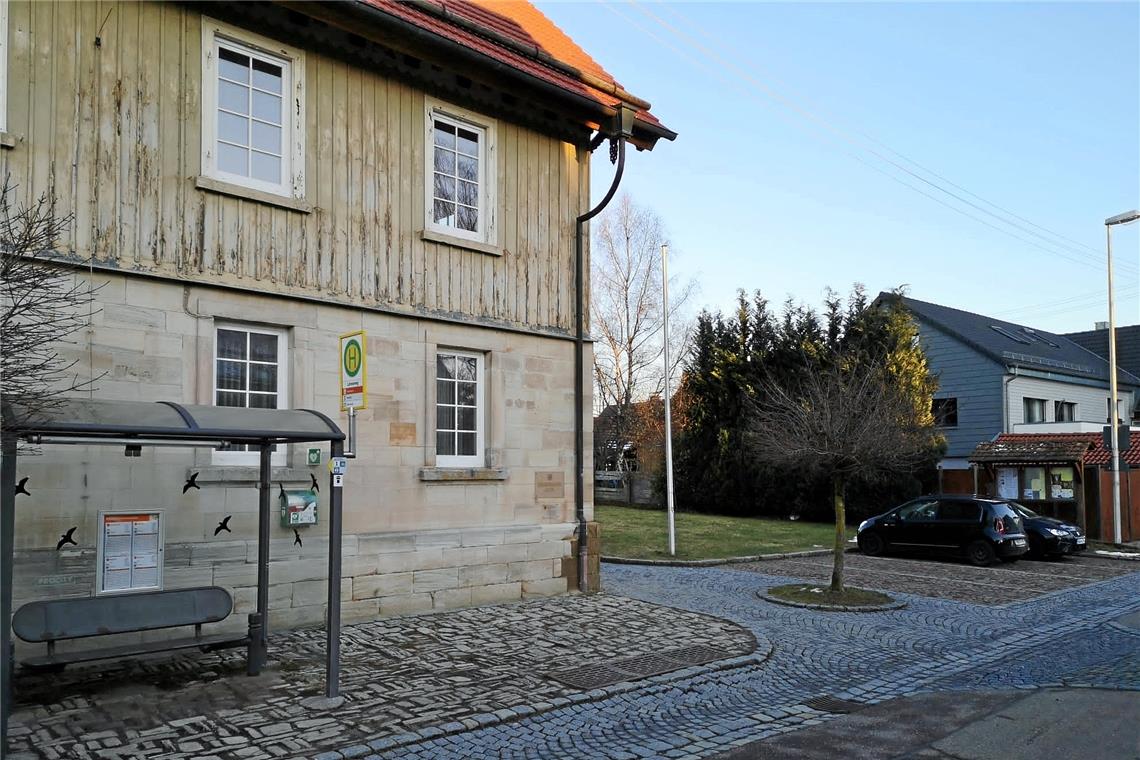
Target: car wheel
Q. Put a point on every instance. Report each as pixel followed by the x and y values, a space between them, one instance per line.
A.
pixel 872 544
pixel 980 554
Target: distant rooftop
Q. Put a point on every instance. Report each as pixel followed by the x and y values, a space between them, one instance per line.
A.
pixel 1012 344
pixel 1127 345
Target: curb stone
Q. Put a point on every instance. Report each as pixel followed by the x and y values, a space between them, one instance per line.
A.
pixel 721 561
pixel 895 605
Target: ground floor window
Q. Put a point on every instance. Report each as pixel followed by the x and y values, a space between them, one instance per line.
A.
pixel 459 409
pixel 250 371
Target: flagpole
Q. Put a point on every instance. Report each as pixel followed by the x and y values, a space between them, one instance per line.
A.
pixel 668 421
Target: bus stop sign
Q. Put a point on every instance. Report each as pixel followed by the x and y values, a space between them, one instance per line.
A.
pixel 353 372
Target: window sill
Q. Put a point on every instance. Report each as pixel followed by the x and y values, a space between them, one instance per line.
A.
pixel 458 242
pixel 220 474
pixel 211 185
pixel 462 474
pixel 7 140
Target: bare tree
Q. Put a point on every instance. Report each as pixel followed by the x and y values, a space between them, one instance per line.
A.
pixel 41 304
pixel 843 424
pixel 626 318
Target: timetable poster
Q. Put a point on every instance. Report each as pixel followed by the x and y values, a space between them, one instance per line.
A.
pixel 130 551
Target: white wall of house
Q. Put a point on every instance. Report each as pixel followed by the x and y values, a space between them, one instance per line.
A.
pixel 1091 403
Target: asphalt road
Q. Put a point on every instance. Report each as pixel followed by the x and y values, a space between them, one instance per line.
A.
pixel 1050 723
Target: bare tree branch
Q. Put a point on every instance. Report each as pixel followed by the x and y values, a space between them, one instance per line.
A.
pixel 41 305
pixel 627 318
pixel 843 423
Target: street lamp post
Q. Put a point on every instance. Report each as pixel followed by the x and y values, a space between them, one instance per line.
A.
pixel 1113 417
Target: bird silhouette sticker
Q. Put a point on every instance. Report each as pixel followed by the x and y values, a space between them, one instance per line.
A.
pixel 282 487
pixel 223 525
pixel 21 487
pixel 315 488
pixel 297 538
pixel 191 482
pixel 66 538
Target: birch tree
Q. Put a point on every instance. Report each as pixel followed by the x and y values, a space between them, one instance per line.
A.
pixel 627 317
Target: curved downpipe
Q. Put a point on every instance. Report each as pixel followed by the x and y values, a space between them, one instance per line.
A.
pixel 579 368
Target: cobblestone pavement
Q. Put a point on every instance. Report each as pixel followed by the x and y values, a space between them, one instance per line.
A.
pixel 460 669
pixel 1062 637
pixel 947 579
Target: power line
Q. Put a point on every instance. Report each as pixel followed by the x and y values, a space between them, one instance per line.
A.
pixel 891 150
pixel 1064 250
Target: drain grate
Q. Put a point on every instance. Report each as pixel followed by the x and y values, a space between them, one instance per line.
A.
pixel 648 665
pixel 828 703
pixel 596 675
pixel 588 677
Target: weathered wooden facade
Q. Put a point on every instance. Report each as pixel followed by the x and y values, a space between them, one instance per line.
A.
pixel 118 110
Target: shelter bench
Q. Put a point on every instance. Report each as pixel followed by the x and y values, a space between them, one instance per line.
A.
pixel 83 617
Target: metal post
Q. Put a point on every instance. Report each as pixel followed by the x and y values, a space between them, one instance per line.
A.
pixel 332 620
pixel 580 368
pixel 1115 411
pixel 668 421
pixel 259 634
pixel 7 546
pixel 350 449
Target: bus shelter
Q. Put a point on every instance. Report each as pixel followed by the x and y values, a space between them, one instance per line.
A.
pixel 137 424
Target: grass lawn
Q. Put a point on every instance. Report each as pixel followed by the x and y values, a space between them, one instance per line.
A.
pixel 641 533
pixel 809 594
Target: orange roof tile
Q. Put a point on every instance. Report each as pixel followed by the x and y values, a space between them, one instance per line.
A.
pixel 534 46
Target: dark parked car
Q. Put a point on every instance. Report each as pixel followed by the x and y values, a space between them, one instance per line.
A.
pixel 978 528
pixel 1049 537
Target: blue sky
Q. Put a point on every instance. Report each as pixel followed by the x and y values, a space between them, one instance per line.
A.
pixel 1034 107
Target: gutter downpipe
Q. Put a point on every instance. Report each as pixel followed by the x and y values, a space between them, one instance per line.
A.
pixel 1006 425
pixel 580 366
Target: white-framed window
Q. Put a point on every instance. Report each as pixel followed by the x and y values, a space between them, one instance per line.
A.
pixel 459 409
pixel 129 552
pixel 251 370
pixel 3 65
pixel 252 111
pixel 460 174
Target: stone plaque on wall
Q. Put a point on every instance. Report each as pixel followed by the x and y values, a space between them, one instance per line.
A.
pixel 549 485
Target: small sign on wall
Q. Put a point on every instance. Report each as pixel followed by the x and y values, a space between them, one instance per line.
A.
pixel 130 551
pixel 549 485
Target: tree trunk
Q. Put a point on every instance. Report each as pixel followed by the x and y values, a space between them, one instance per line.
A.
pixel 840 532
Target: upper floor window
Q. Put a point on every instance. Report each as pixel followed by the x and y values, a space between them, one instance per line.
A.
pixel 460 175
pixel 1064 411
pixel 459 409
pixel 1034 409
pixel 252 111
pixel 945 411
pixel 250 371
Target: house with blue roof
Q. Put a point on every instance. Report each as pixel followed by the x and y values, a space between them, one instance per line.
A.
pixel 1000 377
